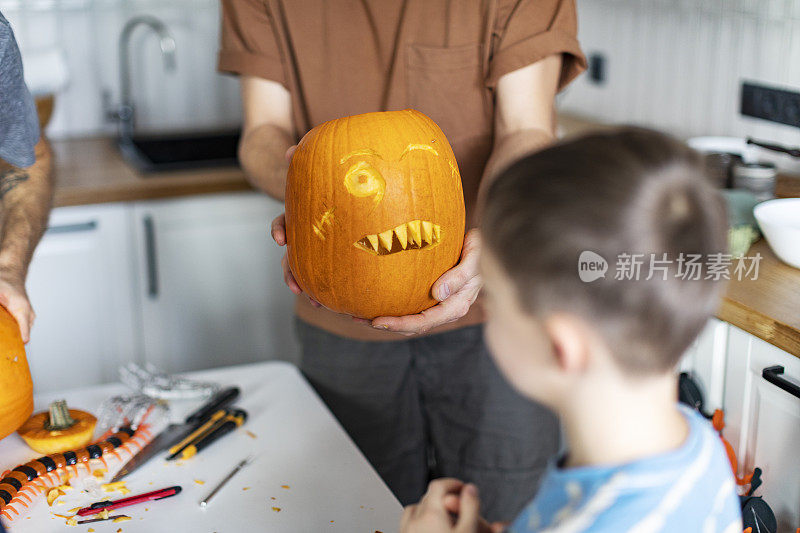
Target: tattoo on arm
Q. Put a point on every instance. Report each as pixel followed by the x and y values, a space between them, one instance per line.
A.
pixel 10 179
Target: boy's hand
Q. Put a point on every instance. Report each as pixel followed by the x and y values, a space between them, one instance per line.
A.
pixel 456 291
pixel 431 515
pixel 452 502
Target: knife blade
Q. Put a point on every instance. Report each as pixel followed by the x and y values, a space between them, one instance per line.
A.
pixel 92 520
pixel 174 433
pixel 158 444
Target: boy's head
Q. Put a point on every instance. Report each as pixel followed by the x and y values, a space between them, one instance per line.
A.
pixel 622 195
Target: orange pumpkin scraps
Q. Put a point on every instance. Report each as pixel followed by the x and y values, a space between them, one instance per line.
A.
pixel 111 487
pixel 52 495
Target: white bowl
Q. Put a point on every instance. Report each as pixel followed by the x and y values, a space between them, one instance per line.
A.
pixel 780 223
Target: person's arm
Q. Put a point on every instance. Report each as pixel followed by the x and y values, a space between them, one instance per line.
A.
pixel 524 114
pixel 267 134
pixel 524 122
pixel 25 200
pixel 266 147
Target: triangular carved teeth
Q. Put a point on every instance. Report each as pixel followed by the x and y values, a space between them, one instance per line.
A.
pixel 402 235
pixel 373 241
pixel 413 235
pixel 414 232
pixel 386 239
pixel 427 231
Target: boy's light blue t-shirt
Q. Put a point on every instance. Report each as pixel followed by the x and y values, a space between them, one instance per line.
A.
pixel 689 490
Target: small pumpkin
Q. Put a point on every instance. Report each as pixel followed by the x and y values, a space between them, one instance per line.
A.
pixel 16 387
pixel 59 429
pixel 374 213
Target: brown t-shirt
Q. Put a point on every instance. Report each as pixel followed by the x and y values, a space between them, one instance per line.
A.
pixel 441 57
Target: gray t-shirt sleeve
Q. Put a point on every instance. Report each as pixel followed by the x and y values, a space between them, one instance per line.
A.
pixel 19 123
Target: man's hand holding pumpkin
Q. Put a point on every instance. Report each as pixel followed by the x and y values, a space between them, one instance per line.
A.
pixel 14 298
pixel 456 291
pixel 278 232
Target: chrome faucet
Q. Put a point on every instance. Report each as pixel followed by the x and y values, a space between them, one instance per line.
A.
pixel 124 113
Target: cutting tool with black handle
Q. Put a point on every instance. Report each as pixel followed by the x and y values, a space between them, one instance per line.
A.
pixel 176 432
pixel 232 419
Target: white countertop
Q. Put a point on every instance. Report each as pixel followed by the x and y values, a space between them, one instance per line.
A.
pixel 298 444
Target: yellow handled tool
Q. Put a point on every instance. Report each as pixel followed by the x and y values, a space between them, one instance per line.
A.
pixel 199 432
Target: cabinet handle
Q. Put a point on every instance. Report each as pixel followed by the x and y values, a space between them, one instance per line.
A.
pixel 73 228
pixel 150 257
pixel 773 375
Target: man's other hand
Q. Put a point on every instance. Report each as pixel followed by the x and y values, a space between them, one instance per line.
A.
pixel 14 298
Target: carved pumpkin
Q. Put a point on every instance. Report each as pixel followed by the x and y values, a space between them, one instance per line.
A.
pixel 16 388
pixel 374 213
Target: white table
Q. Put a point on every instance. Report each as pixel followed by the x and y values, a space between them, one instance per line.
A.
pixel 298 443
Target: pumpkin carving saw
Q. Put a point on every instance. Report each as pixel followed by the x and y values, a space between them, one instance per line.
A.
pixel 374 213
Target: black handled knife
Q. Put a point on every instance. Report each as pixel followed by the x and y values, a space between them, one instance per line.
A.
pixel 174 433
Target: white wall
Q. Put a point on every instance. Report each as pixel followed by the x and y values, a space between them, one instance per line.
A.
pixel 678 64
pixel 194 96
pixel 672 64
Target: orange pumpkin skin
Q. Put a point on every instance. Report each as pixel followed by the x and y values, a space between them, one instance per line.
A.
pixel 16 387
pixel 359 186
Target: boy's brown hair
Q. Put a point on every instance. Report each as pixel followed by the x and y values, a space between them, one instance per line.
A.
pixel 627 191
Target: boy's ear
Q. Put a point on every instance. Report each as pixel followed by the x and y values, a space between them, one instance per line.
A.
pixel 570 341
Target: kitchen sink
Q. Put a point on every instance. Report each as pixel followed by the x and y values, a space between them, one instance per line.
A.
pixel 155 153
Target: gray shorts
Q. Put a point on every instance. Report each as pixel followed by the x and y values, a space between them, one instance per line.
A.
pixel 432 407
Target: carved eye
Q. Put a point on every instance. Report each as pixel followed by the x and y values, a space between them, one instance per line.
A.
pixel 362 180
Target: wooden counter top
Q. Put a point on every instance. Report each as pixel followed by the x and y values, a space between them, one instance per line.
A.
pixel 768 307
pixel 92 171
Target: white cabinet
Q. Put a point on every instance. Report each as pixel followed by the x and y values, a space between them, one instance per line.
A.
pixel 185 284
pixel 763 422
pixel 705 359
pixel 211 286
pixel 80 286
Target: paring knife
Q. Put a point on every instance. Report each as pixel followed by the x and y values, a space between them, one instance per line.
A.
pixel 176 432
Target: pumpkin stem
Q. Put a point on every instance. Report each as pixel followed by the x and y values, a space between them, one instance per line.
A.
pixel 59 417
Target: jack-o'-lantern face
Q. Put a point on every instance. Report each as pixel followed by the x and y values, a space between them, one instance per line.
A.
pixel 374 212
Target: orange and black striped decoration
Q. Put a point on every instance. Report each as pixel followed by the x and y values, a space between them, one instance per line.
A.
pixel 14 480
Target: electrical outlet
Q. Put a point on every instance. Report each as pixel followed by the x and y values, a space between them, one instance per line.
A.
pixel 769 103
pixel 597 68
